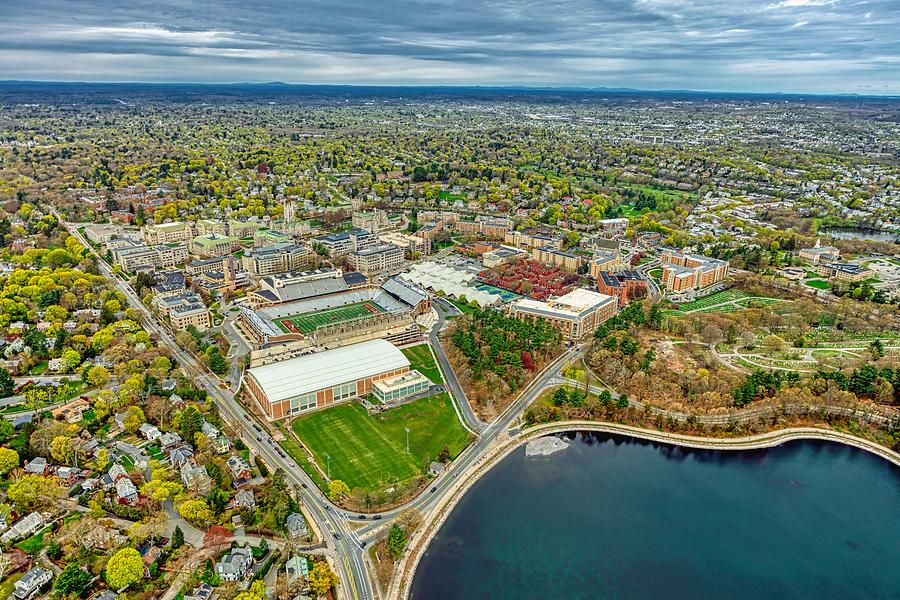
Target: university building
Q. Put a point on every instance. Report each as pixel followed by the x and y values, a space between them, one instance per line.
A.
pixel 318 380
pixel 682 272
pixel 625 286
pixel 576 314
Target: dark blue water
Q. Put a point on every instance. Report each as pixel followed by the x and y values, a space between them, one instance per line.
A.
pixel 618 518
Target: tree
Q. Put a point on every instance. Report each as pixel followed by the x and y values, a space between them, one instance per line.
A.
pixel 97 376
pixel 73 580
pixel 9 460
pixel 189 423
pixel 62 449
pixel 257 591
pixel 773 344
pixel 124 568
pixel 196 512
pixel 336 489
pixel 322 579
pixel 217 362
pixel 34 491
pixel 71 359
pixel 876 349
pixel 102 459
pixel 7 385
pixel 396 541
pixel 134 418
pixel 177 538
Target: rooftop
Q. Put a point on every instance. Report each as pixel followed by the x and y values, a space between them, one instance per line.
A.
pixel 297 376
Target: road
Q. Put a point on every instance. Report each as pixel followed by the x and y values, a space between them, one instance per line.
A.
pixel 444 310
pixel 350 557
pixel 347 546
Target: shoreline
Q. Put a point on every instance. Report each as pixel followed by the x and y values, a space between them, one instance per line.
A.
pixel 401 586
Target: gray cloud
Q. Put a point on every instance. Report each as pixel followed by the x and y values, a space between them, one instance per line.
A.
pixel 752 45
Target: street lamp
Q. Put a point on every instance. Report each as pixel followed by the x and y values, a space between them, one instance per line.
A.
pixel 328 458
pixel 407 439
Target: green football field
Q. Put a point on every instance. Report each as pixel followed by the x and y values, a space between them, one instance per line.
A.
pixel 312 321
pixel 369 452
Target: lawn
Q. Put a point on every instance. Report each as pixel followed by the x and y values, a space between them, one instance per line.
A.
pixel 39 368
pixel 7 587
pixel 464 308
pixel 33 544
pixel 819 284
pixel 713 299
pixel 291 447
pixel 312 321
pixel 369 452
pixel 421 359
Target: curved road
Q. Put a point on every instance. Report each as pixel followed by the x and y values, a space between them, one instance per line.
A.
pixel 348 546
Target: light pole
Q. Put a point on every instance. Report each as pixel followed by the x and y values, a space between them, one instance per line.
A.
pixel 328 458
pixel 407 439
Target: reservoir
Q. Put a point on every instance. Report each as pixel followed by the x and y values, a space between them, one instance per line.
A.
pixel 855 233
pixel 617 518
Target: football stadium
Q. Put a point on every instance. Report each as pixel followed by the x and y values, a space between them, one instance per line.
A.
pixel 330 314
pixel 307 323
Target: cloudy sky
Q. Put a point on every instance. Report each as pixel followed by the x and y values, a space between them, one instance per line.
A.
pixel 737 45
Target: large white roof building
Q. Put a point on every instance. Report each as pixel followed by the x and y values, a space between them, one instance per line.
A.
pixel 289 387
pixel 575 314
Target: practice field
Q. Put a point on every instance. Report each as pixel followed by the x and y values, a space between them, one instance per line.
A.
pixel 312 321
pixel 369 452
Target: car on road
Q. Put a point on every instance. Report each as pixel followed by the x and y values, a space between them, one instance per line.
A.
pixel 361 516
pixel 304 486
pixel 434 489
pixel 337 536
pixel 376 517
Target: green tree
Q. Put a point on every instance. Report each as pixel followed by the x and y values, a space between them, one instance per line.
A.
pixel 876 349
pixel 9 460
pixel 134 418
pixel 124 568
pixel 7 385
pixel 189 423
pixel 217 362
pixel 177 538
pixel 257 591
pixel 396 541
pixel 73 580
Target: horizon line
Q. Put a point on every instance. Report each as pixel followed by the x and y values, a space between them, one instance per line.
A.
pixel 481 86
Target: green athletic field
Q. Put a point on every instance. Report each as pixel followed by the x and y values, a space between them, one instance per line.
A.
pixel 421 360
pixel 311 321
pixel 369 452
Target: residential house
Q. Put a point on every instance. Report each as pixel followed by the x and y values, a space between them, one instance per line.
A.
pixel 169 440
pixel 178 457
pixel 243 499
pixel 151 432
pixel 72 412
pixel 30 583
pixel 296 526
pixel 24 527
pixel 126 492
pixel 37 466
pixel 235 565
pixel 196 479
pixel 296 568
pixel 239 469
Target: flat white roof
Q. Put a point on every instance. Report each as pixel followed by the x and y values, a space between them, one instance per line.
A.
pixel 576 303
pixel 305 374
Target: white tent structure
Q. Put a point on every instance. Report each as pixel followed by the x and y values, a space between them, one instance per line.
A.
pixel 448 281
